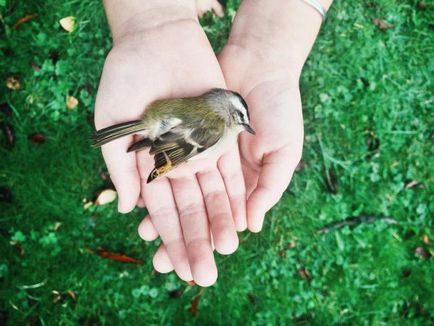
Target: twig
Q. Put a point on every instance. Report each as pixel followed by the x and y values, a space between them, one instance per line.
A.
pixel 354 221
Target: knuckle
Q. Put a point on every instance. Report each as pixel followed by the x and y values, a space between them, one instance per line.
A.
pixel 214 197
pixel 163 213
pixel 190 210
pixel 196 245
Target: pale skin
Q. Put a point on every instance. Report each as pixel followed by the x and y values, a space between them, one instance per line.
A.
pixel 160 51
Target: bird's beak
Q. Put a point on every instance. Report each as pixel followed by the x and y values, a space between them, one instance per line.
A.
pixel 249 129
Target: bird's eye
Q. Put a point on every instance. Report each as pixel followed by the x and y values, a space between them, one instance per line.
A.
pixel 240 116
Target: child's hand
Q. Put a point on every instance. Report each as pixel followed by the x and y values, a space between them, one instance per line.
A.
pixel 171 59
pixel 270 158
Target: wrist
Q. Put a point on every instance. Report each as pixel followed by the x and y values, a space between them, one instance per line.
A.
pixel 244 71
pixel 280 32
pixel 131 17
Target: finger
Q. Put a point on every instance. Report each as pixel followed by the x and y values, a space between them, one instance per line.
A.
pixel 123 173
pixel 274 178
pixel 217 8
pixel 146 229
pixel 230 168
pixel 219 212
pixel 161 260
pixel 164 215
pixel 194 221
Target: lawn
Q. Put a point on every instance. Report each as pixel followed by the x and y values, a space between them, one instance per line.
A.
pixel 367 93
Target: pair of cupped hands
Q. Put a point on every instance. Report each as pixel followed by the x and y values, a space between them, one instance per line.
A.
pixel 201 205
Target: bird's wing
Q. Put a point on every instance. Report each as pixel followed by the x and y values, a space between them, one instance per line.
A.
pixel 153 130
pixel 180 144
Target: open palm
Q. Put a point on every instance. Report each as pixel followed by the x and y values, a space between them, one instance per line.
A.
pixel 171 61
pixel 270 158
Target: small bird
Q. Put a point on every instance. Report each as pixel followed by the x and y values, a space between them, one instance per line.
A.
pixel 177 130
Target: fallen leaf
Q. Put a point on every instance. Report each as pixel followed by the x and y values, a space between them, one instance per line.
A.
pixel 381 24
pixel 304 274
pixel 37 138
pixel 87 204
pixel 56 226
pixel 71 295
pixel 425 239
pixel 105 197
pixel 118 257
pixel 195 302
pixel 8 132
pixel 13 83
pixel 71 102
pixel 68 23
pixel 57 296
pixel 412 184
pixel 23 20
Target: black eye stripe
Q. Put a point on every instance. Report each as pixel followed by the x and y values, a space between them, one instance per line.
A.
pixel 243 102
pixel 245 105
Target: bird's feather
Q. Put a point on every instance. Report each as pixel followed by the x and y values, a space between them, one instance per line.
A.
pixel 178 146
pixel 173 133
pixel 108 134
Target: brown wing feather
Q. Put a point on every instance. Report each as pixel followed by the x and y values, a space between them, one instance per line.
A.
pixel 178 147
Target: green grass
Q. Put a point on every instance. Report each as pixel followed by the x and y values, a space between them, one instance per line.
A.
pixel 367 95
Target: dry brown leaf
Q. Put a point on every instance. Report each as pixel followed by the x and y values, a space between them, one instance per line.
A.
pixel 195 302
pixel 71 102
pixel 381 24
pixel 13 83
pixel 106 197
pixel 68 23
pixel 23 20
pixel 118 257
pixel 71 295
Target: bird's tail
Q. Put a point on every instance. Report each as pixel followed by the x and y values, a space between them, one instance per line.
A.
pixel 108 134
